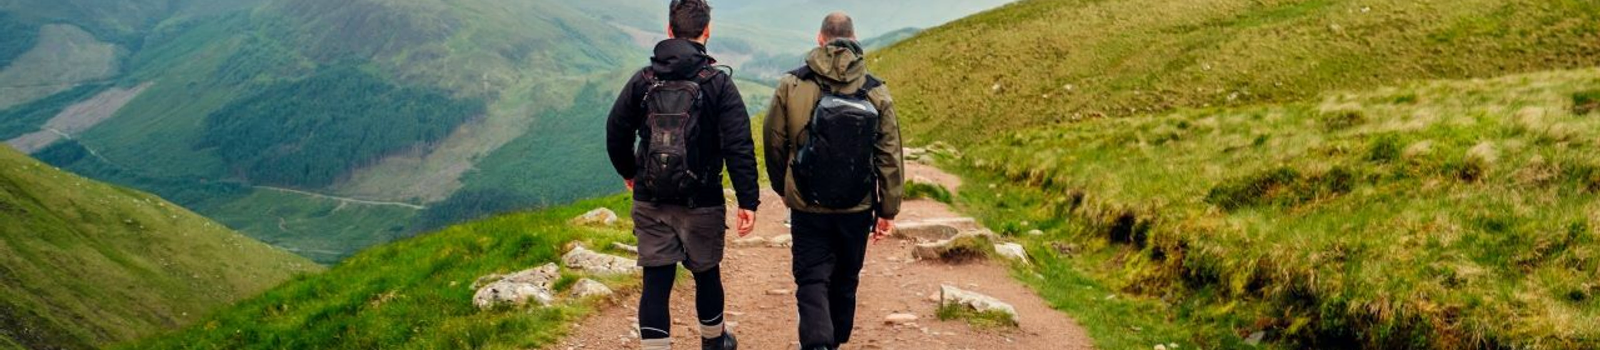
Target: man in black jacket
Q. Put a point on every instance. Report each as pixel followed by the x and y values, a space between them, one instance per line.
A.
pixel 687 228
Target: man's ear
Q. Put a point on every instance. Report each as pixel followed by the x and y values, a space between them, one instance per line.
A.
pixel 706 36
pixel 669 32
pixel 822 40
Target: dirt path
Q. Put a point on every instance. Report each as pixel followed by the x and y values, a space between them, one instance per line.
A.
pixel 891 283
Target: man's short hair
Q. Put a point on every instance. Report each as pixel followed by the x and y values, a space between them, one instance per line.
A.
pixel 838 25
pixel 689 18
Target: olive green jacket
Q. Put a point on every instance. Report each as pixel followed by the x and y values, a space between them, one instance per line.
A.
pixel 842 66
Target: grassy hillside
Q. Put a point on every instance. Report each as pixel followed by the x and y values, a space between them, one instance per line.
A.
pixel 1224 169
pixel 1453 214
pixel 85 264
pixel 1053 61
pixel 411 294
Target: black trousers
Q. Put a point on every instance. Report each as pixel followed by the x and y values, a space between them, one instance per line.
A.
pixel 829 250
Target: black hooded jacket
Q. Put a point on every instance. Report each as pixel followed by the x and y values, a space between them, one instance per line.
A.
pixel 724 127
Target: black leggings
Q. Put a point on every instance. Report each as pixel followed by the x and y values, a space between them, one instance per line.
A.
pixel 655 315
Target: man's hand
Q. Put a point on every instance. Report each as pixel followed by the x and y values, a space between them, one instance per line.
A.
pixel 747 222
pixel 885 226
pixel 629 183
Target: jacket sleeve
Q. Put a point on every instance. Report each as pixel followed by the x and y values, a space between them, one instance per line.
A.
pixel 738 149
pixel 622 128
pixel 777 138
pixel 890 161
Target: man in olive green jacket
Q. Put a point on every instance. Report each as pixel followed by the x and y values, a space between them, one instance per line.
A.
pixel 830 243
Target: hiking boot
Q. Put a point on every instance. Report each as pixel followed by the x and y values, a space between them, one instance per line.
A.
pixel 725 342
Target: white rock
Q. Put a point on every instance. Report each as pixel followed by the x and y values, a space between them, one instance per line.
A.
pixel 1011 251
pixel 624 247
pixel 946 249
pixel 900 319
pixel 783 241
pixel 583 259
pixel 779 292
pixel 950 295
pixel 1035 232
pixel 597 217
pixel 590 288
pixel 519 288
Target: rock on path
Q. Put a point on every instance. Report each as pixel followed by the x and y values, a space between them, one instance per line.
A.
pixel 518 288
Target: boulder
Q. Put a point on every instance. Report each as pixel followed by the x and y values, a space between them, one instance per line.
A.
pixel 964 247
pixel 518 288
pixel 583 259
pixel 933 230
pixel 900 319
pixel 1011 251
pixel 922 231
pixel 590 288
pixel 952 296
pixel 597 217
pixel 782 241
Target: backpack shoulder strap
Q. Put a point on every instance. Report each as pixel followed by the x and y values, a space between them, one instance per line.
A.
pixel 873 83
pixel 804 72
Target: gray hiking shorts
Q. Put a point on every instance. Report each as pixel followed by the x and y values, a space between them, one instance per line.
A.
pixel 671 234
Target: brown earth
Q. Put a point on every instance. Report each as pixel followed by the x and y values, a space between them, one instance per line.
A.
pixel 762 312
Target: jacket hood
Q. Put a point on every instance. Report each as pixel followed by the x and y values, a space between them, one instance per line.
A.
pixel 840 64
pixel 679 59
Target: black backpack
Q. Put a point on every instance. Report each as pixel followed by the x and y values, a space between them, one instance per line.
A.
pixel 668 160
pixel 834 167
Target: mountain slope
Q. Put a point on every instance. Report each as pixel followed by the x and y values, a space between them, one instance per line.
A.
pixel 1054 61
pixel 1450 214
pixel 412 294
pixel 1231 170
pixel 86 264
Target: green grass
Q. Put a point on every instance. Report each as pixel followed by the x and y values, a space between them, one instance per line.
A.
pixel 86 264
pixel 1197 163
pixel 1042 62
pixel 1463 216
pixel 412 294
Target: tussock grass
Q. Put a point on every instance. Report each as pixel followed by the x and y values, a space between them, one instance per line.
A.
pixel 978 319
pixel 936 192
pixel 1441 221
